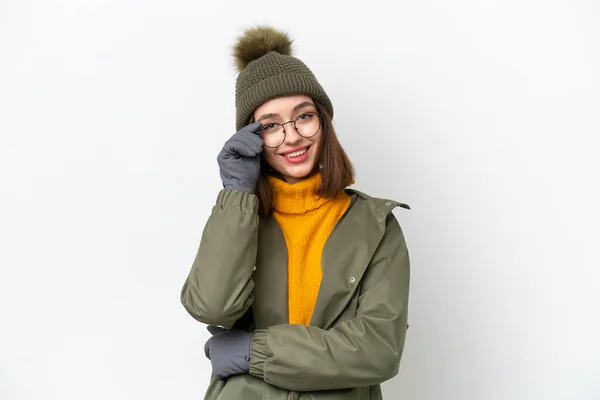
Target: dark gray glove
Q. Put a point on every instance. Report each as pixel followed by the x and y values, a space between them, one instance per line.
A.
pixel 239 160
pixel 228 351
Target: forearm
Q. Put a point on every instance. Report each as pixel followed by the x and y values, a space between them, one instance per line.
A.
pixel 219 287
pixel 309 358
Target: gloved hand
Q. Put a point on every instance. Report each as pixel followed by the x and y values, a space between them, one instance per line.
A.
pixel 213 329
pixel 228 351
pixel 239 160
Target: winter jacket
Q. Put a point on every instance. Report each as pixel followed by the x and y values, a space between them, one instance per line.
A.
pixel 357 332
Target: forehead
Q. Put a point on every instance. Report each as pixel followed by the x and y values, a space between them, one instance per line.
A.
pixel 281 105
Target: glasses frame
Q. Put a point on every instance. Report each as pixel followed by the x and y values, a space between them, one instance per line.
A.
pixel 320 116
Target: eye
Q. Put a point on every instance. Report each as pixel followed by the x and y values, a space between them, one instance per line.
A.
pixel 270 127
pixel 305 116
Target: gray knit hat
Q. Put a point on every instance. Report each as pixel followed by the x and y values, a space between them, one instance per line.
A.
pixel 268 70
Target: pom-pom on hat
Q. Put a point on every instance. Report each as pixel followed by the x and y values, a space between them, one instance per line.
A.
pixel 267 70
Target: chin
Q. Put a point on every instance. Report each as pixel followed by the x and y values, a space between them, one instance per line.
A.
pixel 297 173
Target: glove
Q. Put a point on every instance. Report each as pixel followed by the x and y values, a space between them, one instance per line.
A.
pixel 213 329
pixel 239 160
pixel 228 351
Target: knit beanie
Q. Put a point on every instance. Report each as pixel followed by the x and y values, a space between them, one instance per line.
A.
pixel 267 70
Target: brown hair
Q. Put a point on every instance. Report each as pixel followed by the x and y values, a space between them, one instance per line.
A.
pixel 336 169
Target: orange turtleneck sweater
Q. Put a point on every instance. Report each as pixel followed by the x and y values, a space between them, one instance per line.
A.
pixel 306 221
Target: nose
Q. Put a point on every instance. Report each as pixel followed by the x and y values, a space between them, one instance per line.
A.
pixel 291 134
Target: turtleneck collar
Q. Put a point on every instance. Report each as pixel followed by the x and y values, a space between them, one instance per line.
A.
pixel 297 198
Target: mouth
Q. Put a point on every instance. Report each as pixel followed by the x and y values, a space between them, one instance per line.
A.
pixel 296 155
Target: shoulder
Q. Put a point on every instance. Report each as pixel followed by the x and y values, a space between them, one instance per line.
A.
pixel 385 224
pixel 372 214
pixel 379 206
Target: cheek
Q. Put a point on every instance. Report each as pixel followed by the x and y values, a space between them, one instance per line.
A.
pixel 268 155
pixel 318 142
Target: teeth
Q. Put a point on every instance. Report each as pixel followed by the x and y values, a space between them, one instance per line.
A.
pixel 296 153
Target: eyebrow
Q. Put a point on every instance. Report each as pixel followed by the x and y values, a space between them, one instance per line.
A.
pixel 297 107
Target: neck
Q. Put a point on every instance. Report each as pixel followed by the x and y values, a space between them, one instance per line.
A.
pixel 298 197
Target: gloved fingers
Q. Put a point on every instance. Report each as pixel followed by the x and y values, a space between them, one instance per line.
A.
pixel 254 127
pixel 215 329
pixel 207 349
pixel 245 144
pixel 237 150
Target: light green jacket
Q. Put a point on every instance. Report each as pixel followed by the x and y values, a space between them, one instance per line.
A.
pixel 357 332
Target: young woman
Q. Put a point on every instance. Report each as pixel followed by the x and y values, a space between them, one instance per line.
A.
pixel 303 282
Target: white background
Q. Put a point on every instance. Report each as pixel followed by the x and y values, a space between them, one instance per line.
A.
pixel 482 115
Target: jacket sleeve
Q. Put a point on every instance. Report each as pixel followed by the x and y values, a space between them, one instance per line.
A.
pixel 362 351
pixel 218 289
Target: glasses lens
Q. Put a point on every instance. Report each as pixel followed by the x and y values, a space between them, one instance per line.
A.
pixel 273 134
pixel 308 124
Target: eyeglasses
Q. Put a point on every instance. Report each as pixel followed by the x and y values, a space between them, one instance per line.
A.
pixel 306 124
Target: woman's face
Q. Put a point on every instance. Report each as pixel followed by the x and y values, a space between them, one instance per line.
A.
pixel 297 156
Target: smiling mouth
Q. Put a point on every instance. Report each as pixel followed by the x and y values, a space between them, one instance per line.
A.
pixel 296 153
